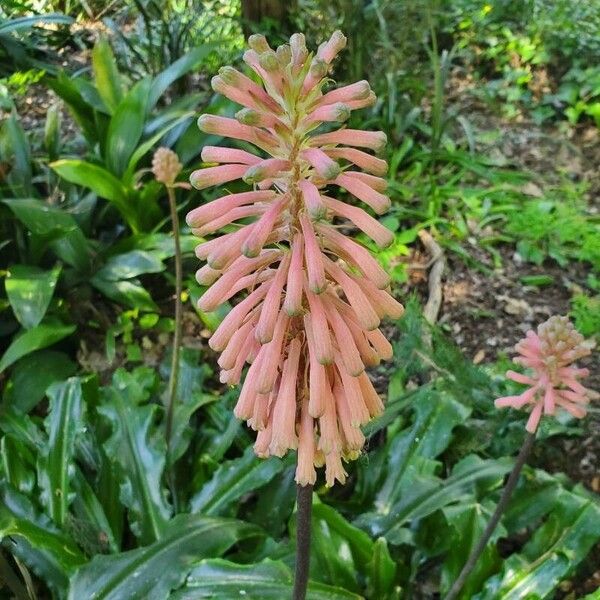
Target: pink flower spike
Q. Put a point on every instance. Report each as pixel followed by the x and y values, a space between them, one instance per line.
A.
pixel 312 199
pixel 305 471
pixel 262 229
pixel 553 381
pixel 318 383
pixel 241 212
pixel 377 183
pixel 229 355
pixel 373 140
pixel 208 212
pixel 381 235
pixel 361 159
pixel 231 128
pixel 270 167
pixel 323 164
pixel 231 323
pixel 203 178
pixel 345 343
pixel 271 307
pixel 234 79
pixel 380 203
pixel 330 49
pixel 313 257
pixel 355 91
pixel 270 357
pixel 216 154
pixel 337 112
pixel 320 329
pixel 293 290
pixel 284 411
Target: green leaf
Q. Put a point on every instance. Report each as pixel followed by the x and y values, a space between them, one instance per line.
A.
pixel 126 128
pixel 106 74
pixel 232 480
pixel 382 571
pixel 153 571
pixel 467 523
pixel 422 495
pixel 56 465
pixel 222 580
pixel 39 337
pixel 51 554
pixel 32 375
pixel 17 463
pixel 40 217
pixel 130 264
pixel 140 458
pixel 556 548
pixel 127 292
pixel 29 290
pixel 180 67
pixel 91 176
pixel 16 24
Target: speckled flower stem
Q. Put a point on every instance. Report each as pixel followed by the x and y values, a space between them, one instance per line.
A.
pixel 303 535
pixel 511 483
pixel 174 375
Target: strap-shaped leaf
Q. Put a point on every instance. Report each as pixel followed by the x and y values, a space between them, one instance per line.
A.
pixel 140 458
pixel 106 74
pixel 151 572
pixel 55 464
pixel 232 480
pixel 222 580
pixel 51 554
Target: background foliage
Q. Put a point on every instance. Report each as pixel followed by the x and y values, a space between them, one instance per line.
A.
pixel 91 503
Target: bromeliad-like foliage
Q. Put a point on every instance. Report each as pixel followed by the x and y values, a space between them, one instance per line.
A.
pixel 309 324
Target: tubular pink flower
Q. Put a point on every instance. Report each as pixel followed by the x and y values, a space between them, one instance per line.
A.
pixel 203 178
pixel 323 164
pixel 553 381
pixel 307 326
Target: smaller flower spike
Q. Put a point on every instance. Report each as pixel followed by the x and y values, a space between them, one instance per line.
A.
pixel 308 324
pixel 554 381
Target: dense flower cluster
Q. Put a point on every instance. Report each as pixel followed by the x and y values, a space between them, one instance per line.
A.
pixel 308 325
pixel 549 354
pixel 166 166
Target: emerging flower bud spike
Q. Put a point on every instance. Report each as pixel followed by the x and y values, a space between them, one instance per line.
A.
pixel 308 324
pixel 553 383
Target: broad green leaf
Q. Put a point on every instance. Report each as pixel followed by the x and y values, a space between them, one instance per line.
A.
pixel 140 458
pixel 180 67
pixel 91 176
pixel 333 561
pixel 32 375
pixel 423 495
pixel 131 264
pixel 22 427
pixel 39 337
pixel 223 580
pixel 88 509
pixel 50 553
pixel 190 397
pixel 435 416
pixel 232 480
pixel 128 292
pixel 40 217
pixel 56 464
pixel 153 571
pixel 52 132
pixel 126 127
pixel 556 548
pixel 29 290
pixel 467 522
pixel 106 74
